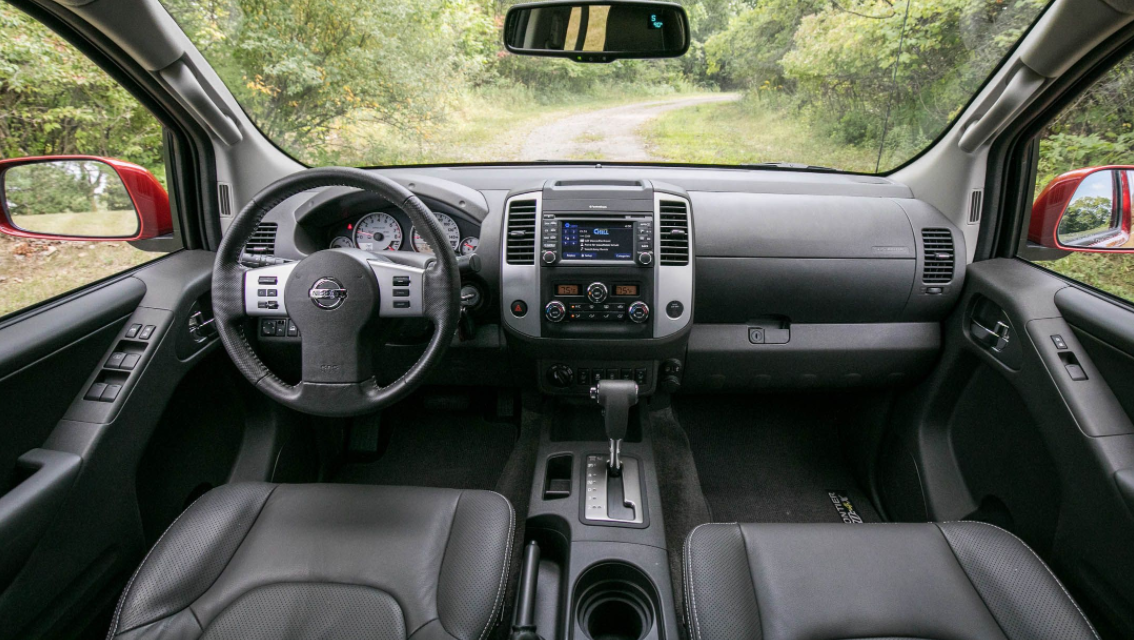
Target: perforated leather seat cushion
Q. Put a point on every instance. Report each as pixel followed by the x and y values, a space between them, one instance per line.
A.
pixel 255 560
pixel 949 581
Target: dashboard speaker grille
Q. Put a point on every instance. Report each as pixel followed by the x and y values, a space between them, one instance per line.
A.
pixel 263 239
pixel 939 256
pixel 520 245
pixel 673 233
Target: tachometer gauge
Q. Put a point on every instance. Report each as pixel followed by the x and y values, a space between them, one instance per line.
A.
pixel 378 232
pixel 452 234
pixel 469 245
pixel 342 242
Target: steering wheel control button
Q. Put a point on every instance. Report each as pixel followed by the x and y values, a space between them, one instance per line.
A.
pixel 401 293
pixel 401 304
pixel 597 292
pixel 132 332
pixel 674 309
pixel 329 294
pixel 519 308
pixel 401 281
pixel 555 311
pixel 267 280
pixel 639 312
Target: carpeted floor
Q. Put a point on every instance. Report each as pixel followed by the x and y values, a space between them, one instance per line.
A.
pixel 770 459
pixel 458 449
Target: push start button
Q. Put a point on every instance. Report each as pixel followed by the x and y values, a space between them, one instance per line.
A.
pixel 519 308
pixel 674 309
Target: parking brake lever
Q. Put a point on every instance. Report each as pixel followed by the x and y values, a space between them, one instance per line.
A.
pixel 615 397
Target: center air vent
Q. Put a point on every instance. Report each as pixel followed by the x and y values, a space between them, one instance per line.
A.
pixel 263 240
pixel 673 233
pixel 520 244
pixel 939 256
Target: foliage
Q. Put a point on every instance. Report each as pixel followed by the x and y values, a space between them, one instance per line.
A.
pixel 53 100
pixel 64 187
pixel 1086 214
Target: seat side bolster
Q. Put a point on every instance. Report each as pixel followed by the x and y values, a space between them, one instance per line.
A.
pixel 719 593
pixel 190 555
pixel 475 567
pixel 1021 593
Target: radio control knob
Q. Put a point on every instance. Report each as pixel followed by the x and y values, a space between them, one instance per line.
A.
pixel 555 311
pixel 597 292
pixel 639 312
pixel 645 258
pixel 549 257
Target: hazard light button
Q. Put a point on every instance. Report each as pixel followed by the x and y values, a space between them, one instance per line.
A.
pixel 519 308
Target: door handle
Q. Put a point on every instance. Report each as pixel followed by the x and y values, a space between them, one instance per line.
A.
pixel 31 505
pixel 995 339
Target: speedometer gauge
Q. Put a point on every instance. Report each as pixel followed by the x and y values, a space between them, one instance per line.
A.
pixel 378 232
pixel 452 234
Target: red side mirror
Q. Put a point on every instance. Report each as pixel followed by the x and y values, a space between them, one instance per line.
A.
pixel 1085 210
pixel 81 198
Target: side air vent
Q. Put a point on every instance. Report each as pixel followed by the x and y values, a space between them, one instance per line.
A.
pixel 263 240
pixel 976 201
pixel 520 244
pixel 673 233
pixel 224 198
pixel 938 247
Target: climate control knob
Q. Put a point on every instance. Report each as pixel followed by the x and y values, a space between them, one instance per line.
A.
pixel 555 311
pixel 597 292
pixel 639 312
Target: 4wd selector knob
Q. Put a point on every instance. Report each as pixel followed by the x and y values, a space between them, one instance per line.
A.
pixel 555 311
pixel 597 292
pixel 639 312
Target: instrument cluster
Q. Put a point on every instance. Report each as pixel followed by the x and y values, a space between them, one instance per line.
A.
pixel 390 230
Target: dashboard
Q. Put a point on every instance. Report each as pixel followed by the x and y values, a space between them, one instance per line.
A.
pixel 678 278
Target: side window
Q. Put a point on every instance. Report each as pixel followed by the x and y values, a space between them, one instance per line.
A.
pixel 1081 216
pixel 70 221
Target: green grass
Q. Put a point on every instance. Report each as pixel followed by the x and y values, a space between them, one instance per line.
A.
pixel 87 223
pixel 33 271
pixel 1111 272
pixel 748 131
pixel 490 125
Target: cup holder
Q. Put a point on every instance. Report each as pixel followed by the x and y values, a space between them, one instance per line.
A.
pixel 615 601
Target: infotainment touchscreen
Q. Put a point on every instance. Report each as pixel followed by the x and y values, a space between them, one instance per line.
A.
pixel 585 240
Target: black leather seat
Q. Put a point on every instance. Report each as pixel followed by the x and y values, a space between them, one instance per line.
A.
pixel 949 581
pixel 251 561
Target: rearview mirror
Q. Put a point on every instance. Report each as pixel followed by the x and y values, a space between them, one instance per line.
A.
pixel 597 31
pixel 1085 210
pixel 81 198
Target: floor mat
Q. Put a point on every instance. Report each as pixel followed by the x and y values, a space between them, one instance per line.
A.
pixel 458 449
pixel 772 459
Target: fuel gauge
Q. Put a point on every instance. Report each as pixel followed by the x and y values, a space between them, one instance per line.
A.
pixel 469 245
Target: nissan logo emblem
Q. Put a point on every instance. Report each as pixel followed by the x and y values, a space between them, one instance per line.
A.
pixel 327 293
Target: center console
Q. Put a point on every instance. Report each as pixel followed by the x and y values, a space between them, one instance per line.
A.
pixel 597 274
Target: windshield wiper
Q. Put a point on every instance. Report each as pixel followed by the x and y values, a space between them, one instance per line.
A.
pixel 787 165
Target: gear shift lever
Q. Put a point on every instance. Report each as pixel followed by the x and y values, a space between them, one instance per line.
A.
pixel 615 397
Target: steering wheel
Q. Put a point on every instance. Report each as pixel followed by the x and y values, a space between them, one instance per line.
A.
pixel 335 297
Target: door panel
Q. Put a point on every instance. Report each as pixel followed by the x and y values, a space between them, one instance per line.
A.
pixel 1034 442
pixel 91 534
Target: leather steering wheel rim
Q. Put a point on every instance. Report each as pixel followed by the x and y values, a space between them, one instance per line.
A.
pixel 440 299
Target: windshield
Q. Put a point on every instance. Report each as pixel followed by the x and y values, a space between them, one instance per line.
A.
pixel 858 85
